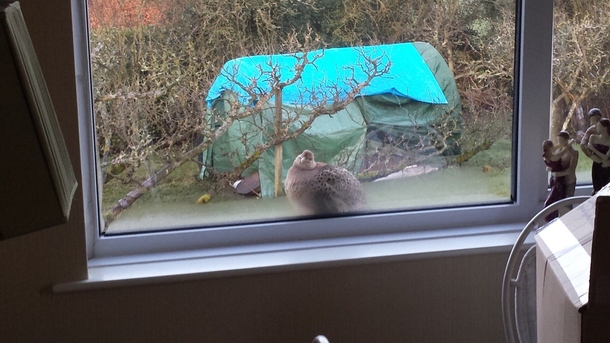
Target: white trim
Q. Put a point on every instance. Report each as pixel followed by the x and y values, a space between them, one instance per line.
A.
pixel 297 230
pixel 86 126
pixel 263 258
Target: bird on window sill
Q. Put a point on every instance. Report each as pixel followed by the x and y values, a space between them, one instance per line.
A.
pixel 319 188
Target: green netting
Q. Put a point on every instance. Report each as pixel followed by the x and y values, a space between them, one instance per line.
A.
pixel 417 123
pixel 337 139
pixel 341 139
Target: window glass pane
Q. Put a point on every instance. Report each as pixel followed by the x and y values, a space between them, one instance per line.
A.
pixel 411 103
pixel 580 72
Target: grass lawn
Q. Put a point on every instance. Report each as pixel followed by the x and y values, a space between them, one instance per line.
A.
pixel 483 179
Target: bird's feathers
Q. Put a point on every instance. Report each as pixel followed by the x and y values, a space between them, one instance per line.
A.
pixel 319 188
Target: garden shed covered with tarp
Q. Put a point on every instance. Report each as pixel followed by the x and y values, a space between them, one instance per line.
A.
pixel 416 95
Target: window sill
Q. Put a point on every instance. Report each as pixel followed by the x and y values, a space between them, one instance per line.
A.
pixel 211 263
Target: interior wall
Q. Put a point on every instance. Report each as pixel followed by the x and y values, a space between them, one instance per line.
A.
pixel 429 300
pixel 426 300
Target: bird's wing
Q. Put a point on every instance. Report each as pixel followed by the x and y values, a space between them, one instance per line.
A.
pixel 340 191
pixel 325 189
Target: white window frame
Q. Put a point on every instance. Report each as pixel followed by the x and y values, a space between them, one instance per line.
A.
pixel 531 122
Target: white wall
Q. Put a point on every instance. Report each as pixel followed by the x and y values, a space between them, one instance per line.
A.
pixel 426 300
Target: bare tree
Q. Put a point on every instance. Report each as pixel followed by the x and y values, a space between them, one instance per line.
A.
pixel 581 68
pixel 332 101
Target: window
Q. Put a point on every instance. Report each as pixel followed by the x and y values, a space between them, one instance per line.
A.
pixel 580 75
pixel 167 72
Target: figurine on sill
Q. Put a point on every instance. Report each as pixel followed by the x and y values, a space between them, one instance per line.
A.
pixel 599 145
pixel 598 176
pixel 558 160
pixel 569 161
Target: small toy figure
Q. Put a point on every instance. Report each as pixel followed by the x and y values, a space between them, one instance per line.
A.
pixel 554 158
pixel 594 116
pixel 599 145
pixel 598 178
pixel 569 161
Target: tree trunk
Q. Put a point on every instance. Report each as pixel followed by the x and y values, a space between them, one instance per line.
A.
pixel 278 148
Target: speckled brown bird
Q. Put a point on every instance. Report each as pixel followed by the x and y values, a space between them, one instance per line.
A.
pixel 318 188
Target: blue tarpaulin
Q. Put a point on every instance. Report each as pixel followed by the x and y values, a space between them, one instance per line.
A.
pixel 408 104
pixel 334 69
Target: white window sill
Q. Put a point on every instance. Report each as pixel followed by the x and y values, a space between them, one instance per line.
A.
pixel 210 263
